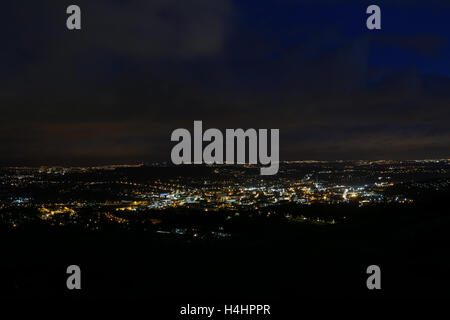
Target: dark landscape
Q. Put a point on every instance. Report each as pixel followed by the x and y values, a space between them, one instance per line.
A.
pixel 201 232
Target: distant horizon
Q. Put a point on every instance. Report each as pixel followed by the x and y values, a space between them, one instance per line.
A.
pixel 168 163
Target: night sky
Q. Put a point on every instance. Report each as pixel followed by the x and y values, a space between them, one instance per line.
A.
pixel 114 91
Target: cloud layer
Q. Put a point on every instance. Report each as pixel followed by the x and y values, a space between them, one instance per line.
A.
pixel 114 91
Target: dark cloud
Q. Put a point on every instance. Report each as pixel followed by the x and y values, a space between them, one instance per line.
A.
pixel 114 91
pixel 428 45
